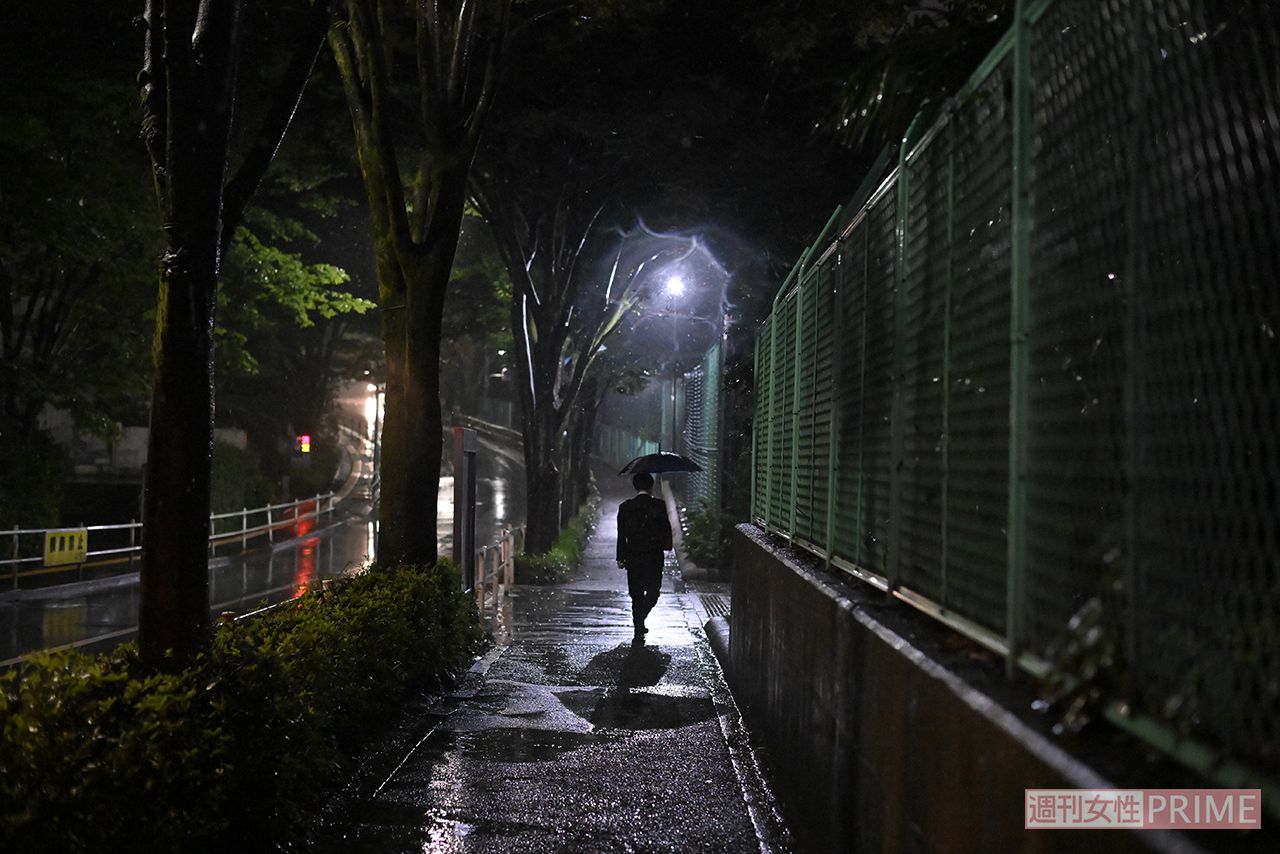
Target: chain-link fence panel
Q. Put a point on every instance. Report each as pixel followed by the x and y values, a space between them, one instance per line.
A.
pixel 850 361
pixel 921 376
pixel 978 395
pixel 803 496
pixel 1204 370
pixel 702 430
pixel 761 426
pixel 1054 370
pixel 783 393
pixel 878 387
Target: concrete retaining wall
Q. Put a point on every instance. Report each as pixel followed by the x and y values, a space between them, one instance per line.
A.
pixel 875 746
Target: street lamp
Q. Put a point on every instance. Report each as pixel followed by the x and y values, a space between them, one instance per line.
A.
pixel 675 289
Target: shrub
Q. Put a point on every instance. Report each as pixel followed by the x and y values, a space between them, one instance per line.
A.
pixel 235 749
pixel 559 562
pixel 237 480
pixel 707 538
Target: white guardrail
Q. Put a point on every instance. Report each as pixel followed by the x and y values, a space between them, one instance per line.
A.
pixel 38 551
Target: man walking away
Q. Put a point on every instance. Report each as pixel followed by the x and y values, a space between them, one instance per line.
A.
pixel 644 533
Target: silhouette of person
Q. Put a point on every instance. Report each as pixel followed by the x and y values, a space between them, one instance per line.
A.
pixel 644 533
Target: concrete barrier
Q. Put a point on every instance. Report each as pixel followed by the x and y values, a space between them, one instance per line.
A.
pixel 876 747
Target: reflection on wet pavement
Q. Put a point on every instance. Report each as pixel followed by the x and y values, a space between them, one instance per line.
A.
pixel 574 740
pixel 98 615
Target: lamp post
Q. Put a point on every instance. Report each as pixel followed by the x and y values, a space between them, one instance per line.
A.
pixel 675 289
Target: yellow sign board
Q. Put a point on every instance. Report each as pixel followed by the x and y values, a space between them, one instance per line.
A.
pixel 65 546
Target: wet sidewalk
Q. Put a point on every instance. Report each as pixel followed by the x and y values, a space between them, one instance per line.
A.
pixel 569 738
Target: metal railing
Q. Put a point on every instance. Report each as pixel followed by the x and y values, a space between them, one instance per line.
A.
pixel 122 543
pixel 496 569
pixel 1028 380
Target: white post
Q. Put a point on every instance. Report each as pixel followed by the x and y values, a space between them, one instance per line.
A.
pixel 133 540
pixel 244 528
pixel 271 528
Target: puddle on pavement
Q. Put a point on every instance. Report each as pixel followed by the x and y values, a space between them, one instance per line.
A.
pixel 623 709
pixel 519 745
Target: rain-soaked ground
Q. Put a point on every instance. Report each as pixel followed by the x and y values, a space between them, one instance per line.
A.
pixel 569 737
pixel 99 614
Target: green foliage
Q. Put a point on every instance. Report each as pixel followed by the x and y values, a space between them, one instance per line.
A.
pixel 237 480
pixel 707 539
pixel 77 237
pixel 564 558
pixel 267 286
pixel 233 751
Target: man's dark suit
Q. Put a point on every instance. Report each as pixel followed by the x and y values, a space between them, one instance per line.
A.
pixel 644 533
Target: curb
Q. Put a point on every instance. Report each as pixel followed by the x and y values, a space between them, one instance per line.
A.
pixel 717 629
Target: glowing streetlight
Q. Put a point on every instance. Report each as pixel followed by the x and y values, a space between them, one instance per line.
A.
pixel 675 286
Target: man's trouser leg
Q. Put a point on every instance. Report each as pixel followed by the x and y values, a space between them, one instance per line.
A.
pixel 643 583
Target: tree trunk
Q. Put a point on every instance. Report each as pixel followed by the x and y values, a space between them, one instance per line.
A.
pixel 581 429
pixel 542 480
pixel 188 81
pixel 413 430
pixel 173 613
pixel 174 609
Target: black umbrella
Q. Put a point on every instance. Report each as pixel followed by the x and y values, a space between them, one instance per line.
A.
pixel 660 463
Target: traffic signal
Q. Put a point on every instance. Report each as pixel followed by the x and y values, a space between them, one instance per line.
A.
pixel 303 444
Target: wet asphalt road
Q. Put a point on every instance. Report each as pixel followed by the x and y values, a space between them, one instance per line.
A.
pixel 99 614
pixel 570 738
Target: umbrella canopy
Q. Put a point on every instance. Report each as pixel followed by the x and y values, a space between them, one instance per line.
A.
pixel 660 463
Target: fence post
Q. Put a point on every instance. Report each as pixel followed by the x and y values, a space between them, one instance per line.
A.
pixel 464 504
pixel 897 429
pixel 796 350
pixel 770 439
pixel 836 421
pixel 244 528
pixel 1019 322
pixel 213 533
pixel 863 552
pixel 271 527
pixel 944 497
pixel 492 576
pixel 509 557
pixel 133 541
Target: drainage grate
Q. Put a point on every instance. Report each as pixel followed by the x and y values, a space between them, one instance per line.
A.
pixel 715 604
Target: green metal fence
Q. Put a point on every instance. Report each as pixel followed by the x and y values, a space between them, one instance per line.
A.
pixel 1031 382
pixel 702 425
pixel 618 446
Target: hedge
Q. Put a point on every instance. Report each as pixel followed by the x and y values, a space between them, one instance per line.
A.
pixel 235 750
pixel 559 562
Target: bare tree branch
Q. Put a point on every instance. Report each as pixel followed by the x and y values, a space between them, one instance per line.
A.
pixel 279 117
